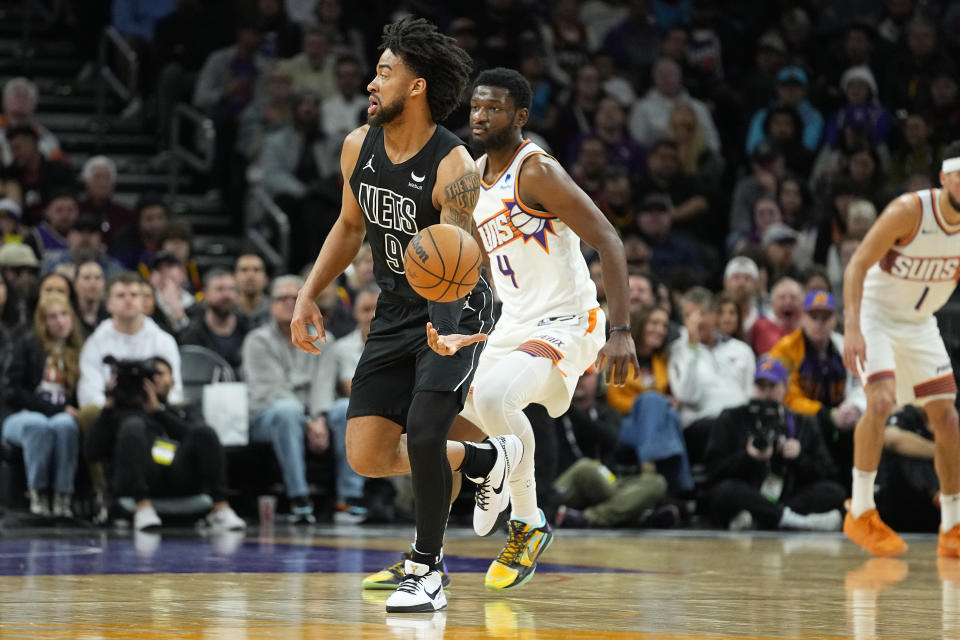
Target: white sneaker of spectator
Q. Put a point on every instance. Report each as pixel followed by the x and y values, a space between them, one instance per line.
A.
pixel 225 519
pixel 62 505
pixel 146 518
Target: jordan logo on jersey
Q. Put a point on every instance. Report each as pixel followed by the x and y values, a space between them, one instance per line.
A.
pixel 511 223
pixel 923 269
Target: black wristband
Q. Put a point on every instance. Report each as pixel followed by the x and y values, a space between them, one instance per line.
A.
pixel 620 327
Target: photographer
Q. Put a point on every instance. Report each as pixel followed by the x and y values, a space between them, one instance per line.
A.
pixel 769 466
pixel 153 450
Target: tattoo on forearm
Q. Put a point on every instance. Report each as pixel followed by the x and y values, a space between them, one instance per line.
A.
pixel 461 199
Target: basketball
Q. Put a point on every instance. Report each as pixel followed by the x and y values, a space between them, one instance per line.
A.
pixel 442 263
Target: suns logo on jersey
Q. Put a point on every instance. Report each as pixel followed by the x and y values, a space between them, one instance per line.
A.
pixel 922 269
pixel 513 222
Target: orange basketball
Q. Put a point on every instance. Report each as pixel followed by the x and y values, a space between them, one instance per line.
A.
pixel 442 263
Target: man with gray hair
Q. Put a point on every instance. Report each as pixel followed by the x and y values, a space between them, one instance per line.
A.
pixel 19 109
pixel 99 176
pixel 741 279
pixel 289 392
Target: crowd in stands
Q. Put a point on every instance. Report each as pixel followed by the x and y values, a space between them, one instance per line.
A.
pixel 741 150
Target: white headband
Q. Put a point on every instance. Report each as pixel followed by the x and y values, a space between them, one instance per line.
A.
pixel 950 164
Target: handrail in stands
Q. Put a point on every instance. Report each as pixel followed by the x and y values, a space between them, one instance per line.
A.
pixel 205 136
pixel 112 41
pixel 266 205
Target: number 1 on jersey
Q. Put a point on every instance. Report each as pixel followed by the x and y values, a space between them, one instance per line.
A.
pixel 923 296
pixel 503 263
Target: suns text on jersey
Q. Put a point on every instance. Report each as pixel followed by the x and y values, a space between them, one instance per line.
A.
pixel 923 269
pixel 388 209
pixel 498 230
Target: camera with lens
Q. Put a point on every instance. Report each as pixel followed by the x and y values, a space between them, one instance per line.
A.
pixel 129 375
pixel 766 423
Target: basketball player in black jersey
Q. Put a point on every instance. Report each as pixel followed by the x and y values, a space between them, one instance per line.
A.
pixel 403 172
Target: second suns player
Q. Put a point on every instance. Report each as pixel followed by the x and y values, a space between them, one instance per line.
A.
pixel 905 269
pixel 531 217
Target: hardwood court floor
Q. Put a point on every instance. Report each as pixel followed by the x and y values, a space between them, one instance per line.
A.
pixel 297 584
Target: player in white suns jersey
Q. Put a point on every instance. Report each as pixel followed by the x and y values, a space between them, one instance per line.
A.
pixel 531 217
pixel 905 269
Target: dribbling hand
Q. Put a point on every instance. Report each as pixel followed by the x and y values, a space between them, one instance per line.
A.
pixel 854 350
pixel 306 313
pixel 450 344
pixel 616 357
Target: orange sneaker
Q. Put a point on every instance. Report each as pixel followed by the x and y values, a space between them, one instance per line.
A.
pixel 948 545
pixel 872 534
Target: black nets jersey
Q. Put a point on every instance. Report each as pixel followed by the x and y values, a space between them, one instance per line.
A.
pixel 397 202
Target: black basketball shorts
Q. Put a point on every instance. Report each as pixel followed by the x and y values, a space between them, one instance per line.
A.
pixel 397 362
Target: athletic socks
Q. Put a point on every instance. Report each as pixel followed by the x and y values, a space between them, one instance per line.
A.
pixel 949 510
pixel 478 459
pixel 432 560
pixel 535 521
pixel 862 499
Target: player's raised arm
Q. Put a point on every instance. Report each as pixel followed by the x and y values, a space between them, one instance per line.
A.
pixel 339 249
pixel 898 222
pixel 544 185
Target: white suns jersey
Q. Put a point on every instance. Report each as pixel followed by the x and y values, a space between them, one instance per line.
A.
pixel 918 274
pixel 538 269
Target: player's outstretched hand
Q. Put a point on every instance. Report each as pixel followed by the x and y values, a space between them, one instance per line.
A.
pixel 450 344
pixel 616 357
pixel 854 350
pixel 306 313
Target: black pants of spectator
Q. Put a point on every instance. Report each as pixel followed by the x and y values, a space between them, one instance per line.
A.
pixel 730 497
pixel 227 172
pixel 198 465
pixel 311 219
pixel 174 86
pixel 905 490
pixel 696 437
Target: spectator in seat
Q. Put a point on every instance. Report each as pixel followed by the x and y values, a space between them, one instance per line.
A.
pixel 21 270
pixel 697 160
pixel 650 326
pixel 610 127
pixel 650 117
pixel 791 93
pixel 11 216
pixel 819 384
pixel 908 490
pixel 768 466
pixel 347 351
pixel 290 392
pixel 766 168
pixel 177 238
pixel 156 449
pixel 58 217
pixel 729 317
pixel 168 275
pixel 708 372
pixel 84 242
pixel 134 246
pixel 313 68
pixel 590 167
pixel 20 109
pixel 91 289
pixel 779 243
pixel 251 274
pixel 690 207
pixel 129 335
pixel 590 494
pixel 672 253
pixel 100 180
pixel 37 177
pixel 345 108
pixel 41 390
pixel 224 89
pixel 220 328
pixel 741 280
pixel 642 294
pixel 271 110
pixel 280 35
pixel 786 307
pixel 300 170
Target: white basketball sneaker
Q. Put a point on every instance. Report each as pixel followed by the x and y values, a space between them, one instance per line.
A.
pixel 421 590
pixel 493 495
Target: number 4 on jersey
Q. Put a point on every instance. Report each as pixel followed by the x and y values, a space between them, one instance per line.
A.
pixel 503 263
